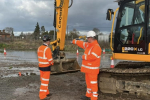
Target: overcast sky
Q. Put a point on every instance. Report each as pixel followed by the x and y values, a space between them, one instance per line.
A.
pixel 84 15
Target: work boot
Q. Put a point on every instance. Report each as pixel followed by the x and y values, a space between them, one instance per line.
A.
pixel 49 95
pixel 47 98
pixel 85 98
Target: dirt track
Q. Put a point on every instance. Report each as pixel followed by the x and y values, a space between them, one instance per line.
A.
pixel 70 86
pixel 63 87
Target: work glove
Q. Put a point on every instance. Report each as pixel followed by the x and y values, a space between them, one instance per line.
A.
pixel 73 41
pixel 52 63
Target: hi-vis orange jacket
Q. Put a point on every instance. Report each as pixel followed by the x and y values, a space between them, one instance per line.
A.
pixel 44 57
pixel 91 58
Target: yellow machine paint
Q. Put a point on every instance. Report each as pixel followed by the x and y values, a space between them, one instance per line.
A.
pixel 61 24
pixel 112 28
pixel 149 48
pixel 82 37
pixel 61 63
pixel 132 57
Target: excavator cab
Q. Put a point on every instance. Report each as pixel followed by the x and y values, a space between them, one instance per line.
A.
pixel 132 31
pixel 62 64
pixel 132 44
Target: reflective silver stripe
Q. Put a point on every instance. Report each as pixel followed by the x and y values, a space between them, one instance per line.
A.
pixel 84 45
pixel 89 90
pixel 93 82
pixel 42 57
pixel 90 50
pixel 90 67
pixel 95 94
pixel 43 90
pixel 44 52
pixel 85 57
pixel 75 41
pixel 50 59
pixel 44 84
pixel 45 79
pixel 44 62
pixel 95 55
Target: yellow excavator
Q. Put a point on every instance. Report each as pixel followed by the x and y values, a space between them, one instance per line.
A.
pixel 62 64
pixel 131 44
pixel 82 37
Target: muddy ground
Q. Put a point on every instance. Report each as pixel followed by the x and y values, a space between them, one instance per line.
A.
pixel 70 86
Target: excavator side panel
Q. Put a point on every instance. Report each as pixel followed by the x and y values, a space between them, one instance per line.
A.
pixel 132 57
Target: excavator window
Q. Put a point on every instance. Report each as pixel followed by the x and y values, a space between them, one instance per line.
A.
pixel 132 22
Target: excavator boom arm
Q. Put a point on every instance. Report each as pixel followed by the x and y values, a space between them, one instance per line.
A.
pixel 60 23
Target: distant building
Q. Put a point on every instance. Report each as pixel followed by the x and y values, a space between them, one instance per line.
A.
pixel 104 37
pixel 4 35
pixel 112 37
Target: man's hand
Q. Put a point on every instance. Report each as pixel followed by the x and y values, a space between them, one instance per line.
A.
pixel 73 41
pixel 52 63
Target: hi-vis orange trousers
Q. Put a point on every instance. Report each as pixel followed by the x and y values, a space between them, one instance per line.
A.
pixel 44 77
pixel 92 86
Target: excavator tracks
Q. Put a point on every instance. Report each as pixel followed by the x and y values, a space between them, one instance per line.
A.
pixel 124 79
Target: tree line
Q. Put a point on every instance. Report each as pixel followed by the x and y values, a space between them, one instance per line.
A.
pixel 40 31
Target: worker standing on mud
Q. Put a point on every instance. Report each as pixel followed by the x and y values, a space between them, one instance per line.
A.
pixel 90 64
pixel 45 61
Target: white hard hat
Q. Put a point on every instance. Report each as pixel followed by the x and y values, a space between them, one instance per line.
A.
pixel 91 34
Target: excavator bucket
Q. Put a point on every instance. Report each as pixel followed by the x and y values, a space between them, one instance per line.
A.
pixel 65 65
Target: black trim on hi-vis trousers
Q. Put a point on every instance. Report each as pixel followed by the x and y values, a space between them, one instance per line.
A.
pixel 45 68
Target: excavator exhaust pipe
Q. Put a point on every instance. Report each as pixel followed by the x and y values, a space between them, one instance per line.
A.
pixel 65 66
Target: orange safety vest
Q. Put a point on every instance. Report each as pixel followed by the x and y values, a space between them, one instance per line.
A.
pixel 44 57
pixel 91 58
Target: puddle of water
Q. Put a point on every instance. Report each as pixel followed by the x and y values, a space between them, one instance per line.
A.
pixel 30 56
pixel 25 71
pixel 23 90
pixel 19 57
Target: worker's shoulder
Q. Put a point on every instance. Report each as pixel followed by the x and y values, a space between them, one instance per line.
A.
pixel 48 48
pixel 97 46
pixel 44 47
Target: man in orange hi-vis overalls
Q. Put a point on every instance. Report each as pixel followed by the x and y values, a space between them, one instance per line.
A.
pixel 90 64
pixel 45 61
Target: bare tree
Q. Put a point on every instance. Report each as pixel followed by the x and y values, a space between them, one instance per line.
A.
pixel 74 34
pixel 96 30
pixel 9 30
pixel 42 29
